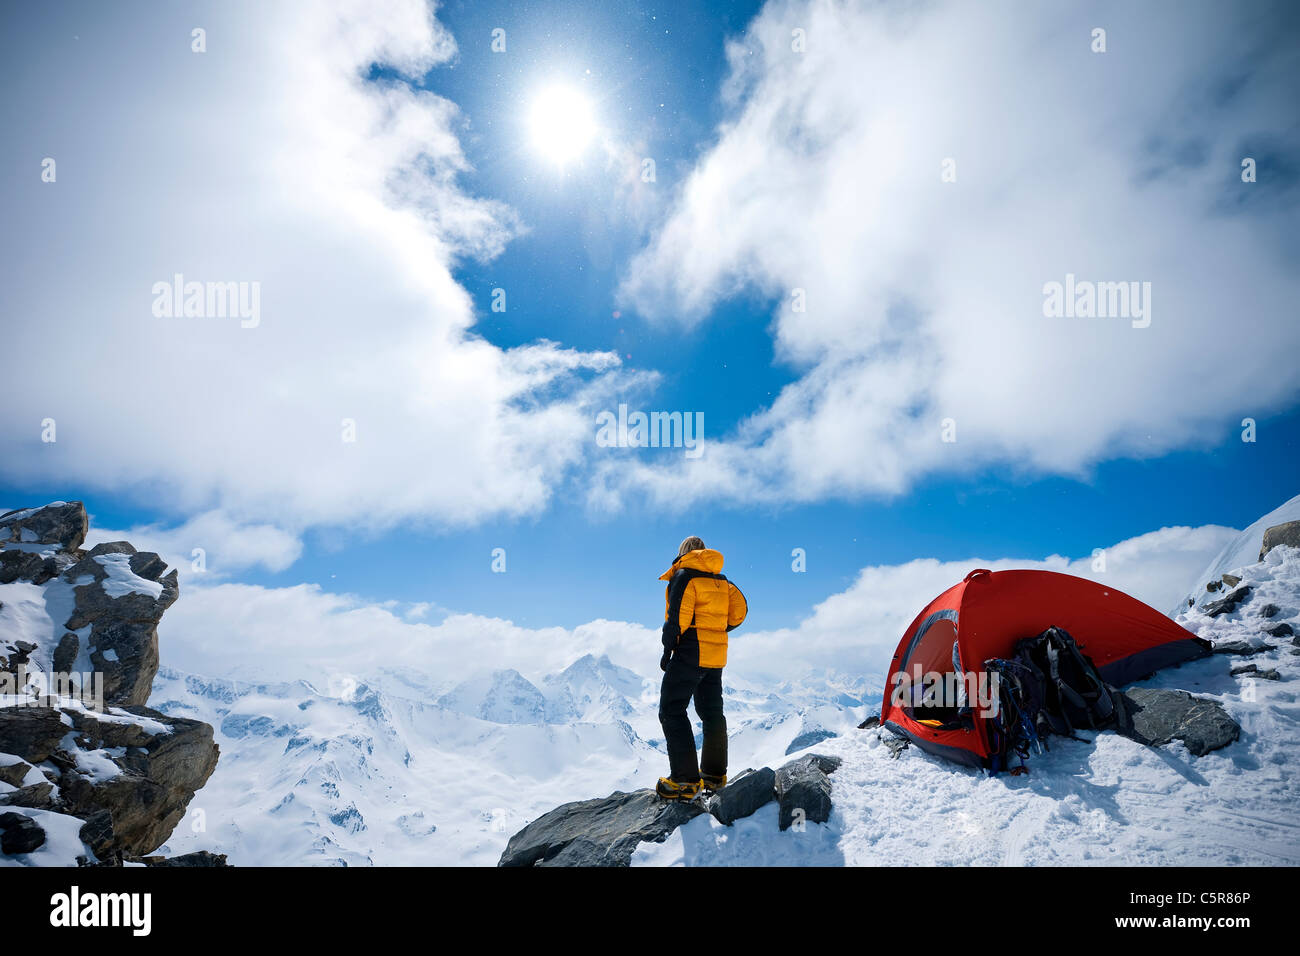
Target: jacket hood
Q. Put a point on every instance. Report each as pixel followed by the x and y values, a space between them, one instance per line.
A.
pixel 704 559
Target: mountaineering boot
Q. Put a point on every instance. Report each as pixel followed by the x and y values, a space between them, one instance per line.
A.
pixel 713 784
pixel 670 789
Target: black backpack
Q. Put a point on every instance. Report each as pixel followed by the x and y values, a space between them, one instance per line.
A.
pixel 1048 686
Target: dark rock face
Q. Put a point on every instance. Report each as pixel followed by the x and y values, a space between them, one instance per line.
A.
pixel 19 833
pixel 1279 534
pixel 197 858
pixel 26 565
pixel 1227 604
pixel 1269 610
pixel 744 795
pixel 32 733
pixel 63 524
pixel 97 833
pixel 803 791
pixel 602 832
pixel 1156 717
pixel 1280 630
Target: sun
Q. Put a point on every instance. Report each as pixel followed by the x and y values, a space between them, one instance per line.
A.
pixel 562 123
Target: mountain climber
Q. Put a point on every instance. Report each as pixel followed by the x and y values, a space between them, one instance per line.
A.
pixel 700 607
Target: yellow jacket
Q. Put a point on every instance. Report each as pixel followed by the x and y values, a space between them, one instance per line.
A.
pixel 700 607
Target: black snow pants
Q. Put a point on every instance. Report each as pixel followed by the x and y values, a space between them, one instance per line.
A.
pixel 683 680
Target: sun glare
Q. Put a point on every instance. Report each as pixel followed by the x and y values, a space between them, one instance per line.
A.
pixel 562 123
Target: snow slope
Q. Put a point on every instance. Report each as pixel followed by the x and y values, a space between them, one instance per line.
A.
pixel 1241 551
pixel 1107 801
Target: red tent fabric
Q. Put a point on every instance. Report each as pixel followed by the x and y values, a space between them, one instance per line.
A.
pixel 987 613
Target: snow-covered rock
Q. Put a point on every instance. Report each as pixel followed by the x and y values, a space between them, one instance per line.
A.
pixel 78 654
pixel 1240 552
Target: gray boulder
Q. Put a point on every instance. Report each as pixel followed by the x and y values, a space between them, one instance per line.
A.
pixel 1240 647
pixel 823 762
pixel 1280 630
pixel 1227 604
pixel 19 833
pixel 62 524
pixel 603 832
pixel 32 733
pixel 1231 580
pixel 1155 717
pixel 1279 534
pixel 1254 670
pixel 744 795
pixel 15 773
pixel 803 792
pixel 36 796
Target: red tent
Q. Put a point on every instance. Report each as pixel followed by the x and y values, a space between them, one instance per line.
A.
pixel 987 613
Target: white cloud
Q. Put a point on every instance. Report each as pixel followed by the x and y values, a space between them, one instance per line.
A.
pixel 925 298
pixel 250 632
pixel 269 158
pixel 279 634
pixel 227 546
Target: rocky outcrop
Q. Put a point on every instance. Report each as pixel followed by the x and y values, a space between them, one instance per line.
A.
pixel 1280 534
pixel 607 831
pixel 62 524
pixel 1227 604
pixel 803 790
pixel 744 796
pixel 1156 717
pixel 597 832
pixel 122 595
pixel 126 770
pixel 161 763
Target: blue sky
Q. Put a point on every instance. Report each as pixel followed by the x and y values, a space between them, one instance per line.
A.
pixel 1115 437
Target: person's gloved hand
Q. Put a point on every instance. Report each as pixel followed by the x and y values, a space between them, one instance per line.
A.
pixel 663 661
